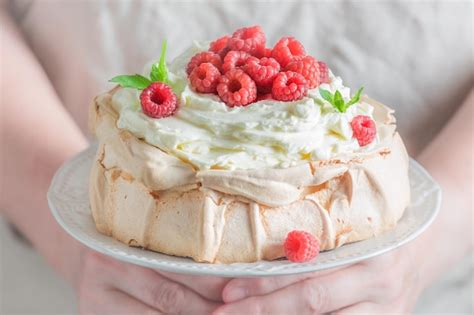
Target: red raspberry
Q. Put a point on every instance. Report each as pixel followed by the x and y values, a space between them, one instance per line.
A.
pixel 248 39
pixel 267 52
pixel 234 59
pixel 158 100
pixel 286 49
pixel 263 52
pixel 300 246
pixel 219 44
pixel 289 86
pixel 323 72
pixel 236 88
pixel 364 130
pixel 267 89
pixel 308 67
pixel 261 97
pixel 204 78
pixel 262 71
pixel 205 56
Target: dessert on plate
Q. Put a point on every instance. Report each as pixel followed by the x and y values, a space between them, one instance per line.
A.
pixel 238 152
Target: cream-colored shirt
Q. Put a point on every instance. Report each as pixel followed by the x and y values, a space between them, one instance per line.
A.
pixel 415 57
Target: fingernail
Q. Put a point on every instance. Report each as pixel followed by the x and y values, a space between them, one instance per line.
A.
pixel 235 294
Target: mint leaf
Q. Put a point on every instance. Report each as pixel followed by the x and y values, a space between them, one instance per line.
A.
pixel 339 102
pixel 135 81
pixel 326 95
pixel 154 72
pixel 159 71
pixel 355 98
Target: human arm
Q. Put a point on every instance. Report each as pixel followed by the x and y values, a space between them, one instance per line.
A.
pixel 37 136
pixel 392 282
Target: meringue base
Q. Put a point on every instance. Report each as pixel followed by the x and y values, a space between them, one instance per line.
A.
pixel 184 213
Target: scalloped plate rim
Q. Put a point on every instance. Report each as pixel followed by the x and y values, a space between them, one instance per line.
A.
pixel 184 265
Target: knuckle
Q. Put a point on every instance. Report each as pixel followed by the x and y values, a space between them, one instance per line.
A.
pixel 316 297
pixel 168 297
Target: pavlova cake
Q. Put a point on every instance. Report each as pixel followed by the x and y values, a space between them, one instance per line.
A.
pixel 236 152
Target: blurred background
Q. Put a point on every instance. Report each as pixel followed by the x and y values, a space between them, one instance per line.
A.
pixel 416 57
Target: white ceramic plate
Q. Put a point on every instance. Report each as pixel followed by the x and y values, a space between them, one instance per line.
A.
pixel 69 202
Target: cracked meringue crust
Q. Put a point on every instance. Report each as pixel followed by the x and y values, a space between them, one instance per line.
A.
pixel 144 197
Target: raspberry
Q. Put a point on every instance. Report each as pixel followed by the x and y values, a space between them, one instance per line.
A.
pixel 205 56
pixel 264 89
pixel 261 97
pixel 248 39
pixel 263 52
pixel 267 52
pixel 286 49
pixel 204 78
pixel 289 86
pixel 300 246
pixel 219 45
pixel 234 59
pixel 262 71
pixel 323 72
pixel 236 88
pixel 364 130
pixel 308 67
pixel 158 100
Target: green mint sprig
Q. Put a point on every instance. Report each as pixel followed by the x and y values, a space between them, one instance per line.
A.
pixel 135 81
pixel 158 73
pixel 159 70
pixel 337 101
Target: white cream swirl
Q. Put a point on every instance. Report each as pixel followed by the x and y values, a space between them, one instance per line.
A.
pixel 267 134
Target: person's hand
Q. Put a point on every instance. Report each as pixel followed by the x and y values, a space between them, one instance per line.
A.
pixel 108 286
pixel 385 284
pixel 208 287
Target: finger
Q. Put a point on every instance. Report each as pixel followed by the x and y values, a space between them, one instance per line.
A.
pixel 240 288
pixel 115 302
pixel 315 295
pixel 364 308
pixel 161 293
pixel 206 286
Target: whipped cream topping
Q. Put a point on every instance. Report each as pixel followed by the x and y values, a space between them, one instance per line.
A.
pixel 208 134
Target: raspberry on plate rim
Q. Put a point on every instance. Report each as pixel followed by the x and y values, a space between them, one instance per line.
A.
pixel 300 246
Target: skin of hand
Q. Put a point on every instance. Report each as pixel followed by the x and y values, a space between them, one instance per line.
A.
pixel 108 286
pixel 385 284
pixel 390 283
pixel 32 114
